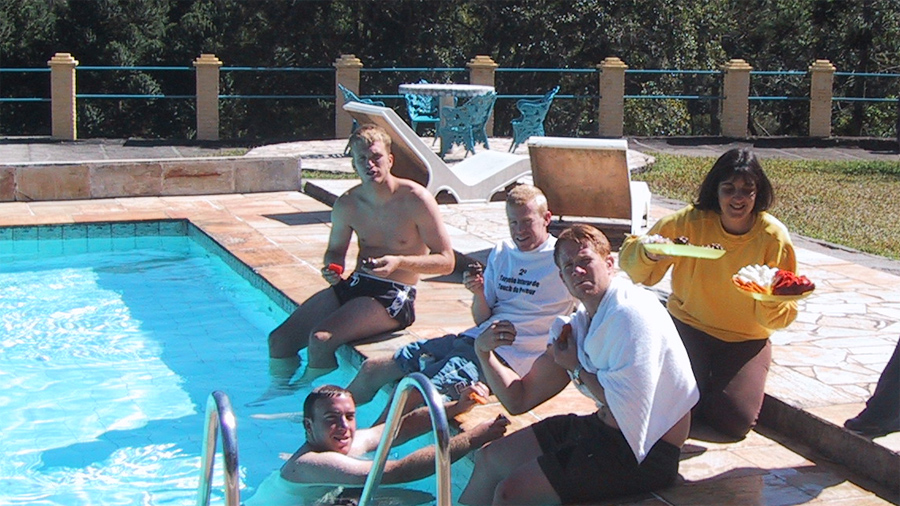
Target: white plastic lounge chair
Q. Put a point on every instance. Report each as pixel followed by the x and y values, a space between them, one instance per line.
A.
pixel 589 178
pixel 475 179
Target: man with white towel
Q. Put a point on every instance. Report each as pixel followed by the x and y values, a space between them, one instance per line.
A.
pixel 621 349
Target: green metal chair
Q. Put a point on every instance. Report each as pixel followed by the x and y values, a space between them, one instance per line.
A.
pixel 531 120
pixel 349 96
pixel 422 109
pixel 465 124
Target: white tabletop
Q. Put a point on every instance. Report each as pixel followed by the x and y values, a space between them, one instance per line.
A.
pixel 442 89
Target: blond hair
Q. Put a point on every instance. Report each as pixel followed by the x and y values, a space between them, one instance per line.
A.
pixel 523 194
pixel 369 134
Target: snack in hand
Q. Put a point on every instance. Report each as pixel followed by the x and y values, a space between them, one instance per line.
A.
pixel 368 263
pixel 335 268
pixel 477 398
pixel 474 269
pixel 562 342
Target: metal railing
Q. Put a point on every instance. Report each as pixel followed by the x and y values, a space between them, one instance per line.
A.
pixel 700 89
pixel 439 426
pixel 419 70
pixel 219 415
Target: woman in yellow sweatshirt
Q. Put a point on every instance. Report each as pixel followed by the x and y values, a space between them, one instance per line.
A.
pixel 725 332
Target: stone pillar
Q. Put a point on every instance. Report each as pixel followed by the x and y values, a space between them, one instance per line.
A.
pixel 611 119
pixel 207 66
pixel 62 96
pixel 820 93
pixel 482 71
pixel 735 111
pixel 346 73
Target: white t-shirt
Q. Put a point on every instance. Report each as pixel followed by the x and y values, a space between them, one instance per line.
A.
pixel 524 287
pixel 634 349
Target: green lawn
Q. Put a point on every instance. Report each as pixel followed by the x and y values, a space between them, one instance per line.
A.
pixel 855 204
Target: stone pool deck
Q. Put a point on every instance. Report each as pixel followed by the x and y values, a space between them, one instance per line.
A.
pixel 825 364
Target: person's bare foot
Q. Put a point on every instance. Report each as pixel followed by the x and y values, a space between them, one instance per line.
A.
pixel 310 375
pixel 281 370
pixel 273 392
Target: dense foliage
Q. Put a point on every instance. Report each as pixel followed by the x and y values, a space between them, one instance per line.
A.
pixel 855 35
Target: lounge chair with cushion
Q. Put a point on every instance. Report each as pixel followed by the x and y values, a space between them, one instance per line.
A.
pixel 589 178
pixel 475 179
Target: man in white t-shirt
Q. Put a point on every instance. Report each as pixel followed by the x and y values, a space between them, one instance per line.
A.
pixel 621 350
pixel 520 284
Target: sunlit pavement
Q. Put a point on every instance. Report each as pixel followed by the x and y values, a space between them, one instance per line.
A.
pixel 825 364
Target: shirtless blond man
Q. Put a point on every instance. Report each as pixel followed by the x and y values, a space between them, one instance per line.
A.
pixel 400 236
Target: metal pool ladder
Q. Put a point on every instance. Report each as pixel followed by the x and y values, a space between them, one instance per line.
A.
pixel 439 427
pixel 220 415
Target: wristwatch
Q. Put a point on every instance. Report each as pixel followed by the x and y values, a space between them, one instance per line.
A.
pixel 576 375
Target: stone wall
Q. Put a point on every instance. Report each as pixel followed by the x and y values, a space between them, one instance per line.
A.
pixel 34 181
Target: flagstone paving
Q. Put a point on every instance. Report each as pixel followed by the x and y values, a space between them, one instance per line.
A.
pixel 825 365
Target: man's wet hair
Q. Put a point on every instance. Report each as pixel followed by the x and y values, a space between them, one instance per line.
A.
pixel 322 392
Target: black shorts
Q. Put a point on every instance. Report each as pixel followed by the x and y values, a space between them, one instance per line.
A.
pixel 398 299
pixel 586 460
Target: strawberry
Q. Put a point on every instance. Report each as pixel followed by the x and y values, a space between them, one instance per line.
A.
pixel 788 283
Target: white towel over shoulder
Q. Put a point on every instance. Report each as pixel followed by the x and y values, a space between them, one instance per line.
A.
pixel 632 346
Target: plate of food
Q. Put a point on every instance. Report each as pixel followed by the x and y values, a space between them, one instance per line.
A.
pixel 771 284
pixel 680 247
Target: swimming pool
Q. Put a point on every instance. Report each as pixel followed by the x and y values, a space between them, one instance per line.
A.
pixel 113 336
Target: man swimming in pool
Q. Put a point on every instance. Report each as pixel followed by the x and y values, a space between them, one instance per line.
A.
pixel 330 461
pixel 400 236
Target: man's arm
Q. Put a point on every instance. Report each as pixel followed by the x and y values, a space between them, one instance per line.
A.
pixel 338 241
pixel 481 310
pixel 336 468
pixel 517 394
pixel 420 463
pixel 413 424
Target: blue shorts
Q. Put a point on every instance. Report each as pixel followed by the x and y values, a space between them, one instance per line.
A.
pixel 398 299
pixel 448 361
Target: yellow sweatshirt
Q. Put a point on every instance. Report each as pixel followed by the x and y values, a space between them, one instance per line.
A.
pixel 703 295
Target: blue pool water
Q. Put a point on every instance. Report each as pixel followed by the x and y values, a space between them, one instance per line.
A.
pixel 111 339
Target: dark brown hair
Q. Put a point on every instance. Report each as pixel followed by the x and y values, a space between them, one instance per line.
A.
pixel 740 162
pixel 322 392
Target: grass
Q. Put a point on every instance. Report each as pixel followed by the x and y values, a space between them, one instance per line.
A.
pixel 327 174
pixel 855 204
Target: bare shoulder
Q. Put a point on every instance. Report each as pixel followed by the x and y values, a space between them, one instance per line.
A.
pixel 349 197
pixel 415 194
pixel 349 203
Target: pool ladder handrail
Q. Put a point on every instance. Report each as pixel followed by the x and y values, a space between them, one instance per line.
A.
pixel 439 427
pixel 219 415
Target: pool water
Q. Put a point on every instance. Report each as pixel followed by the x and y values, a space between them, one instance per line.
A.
pixel 112 339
